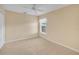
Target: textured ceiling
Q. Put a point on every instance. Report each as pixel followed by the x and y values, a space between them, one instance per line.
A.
pixel 41 8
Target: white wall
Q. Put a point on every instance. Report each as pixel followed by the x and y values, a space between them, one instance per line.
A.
pixel 63 27
pixel 20 26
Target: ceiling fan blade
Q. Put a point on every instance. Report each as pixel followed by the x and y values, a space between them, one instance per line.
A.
pixel 40 10
pixel 28 9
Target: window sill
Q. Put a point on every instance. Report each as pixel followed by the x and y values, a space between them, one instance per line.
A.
pixel 43 33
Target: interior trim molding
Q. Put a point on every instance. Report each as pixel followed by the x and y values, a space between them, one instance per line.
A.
pixel 27 37
pixel 73 49
pixel 3 28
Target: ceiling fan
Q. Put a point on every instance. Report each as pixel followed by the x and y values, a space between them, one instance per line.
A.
pixel 34 8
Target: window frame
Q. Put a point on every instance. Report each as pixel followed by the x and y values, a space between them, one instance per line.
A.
pixel 40 25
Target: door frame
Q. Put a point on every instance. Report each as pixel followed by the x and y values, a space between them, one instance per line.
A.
pixel 3 28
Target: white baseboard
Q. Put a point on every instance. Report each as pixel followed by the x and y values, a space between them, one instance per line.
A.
pixel 43 36
pixel 27 37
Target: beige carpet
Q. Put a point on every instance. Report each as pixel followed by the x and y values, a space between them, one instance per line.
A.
pixel 36 46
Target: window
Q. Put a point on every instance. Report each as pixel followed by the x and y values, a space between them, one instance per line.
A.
pixel 43 25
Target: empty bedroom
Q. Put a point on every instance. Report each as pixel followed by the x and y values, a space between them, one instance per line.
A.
pixel 39 29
